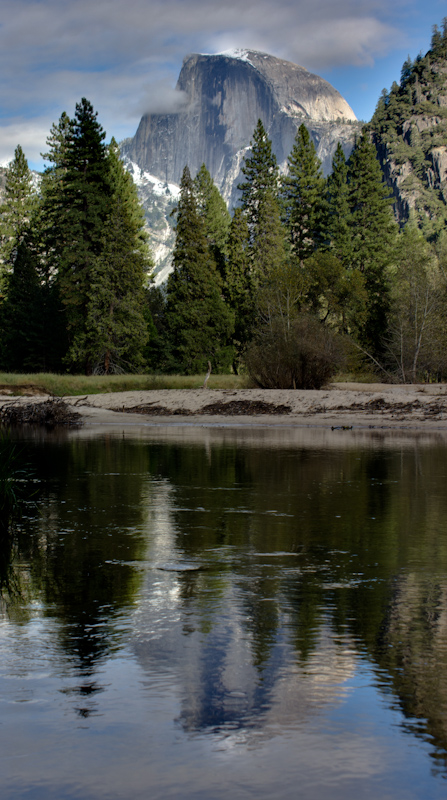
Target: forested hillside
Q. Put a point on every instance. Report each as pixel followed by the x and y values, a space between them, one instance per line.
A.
pixel 409 129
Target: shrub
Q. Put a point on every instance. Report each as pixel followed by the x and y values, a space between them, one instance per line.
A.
pixel 304 354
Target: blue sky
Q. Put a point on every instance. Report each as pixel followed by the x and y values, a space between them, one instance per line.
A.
pixel 125 56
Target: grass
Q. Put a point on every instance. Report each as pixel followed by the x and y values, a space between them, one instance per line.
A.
pixel 69 385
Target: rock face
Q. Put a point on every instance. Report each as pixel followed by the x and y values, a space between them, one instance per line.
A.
pixel 224 96
pixel 409 128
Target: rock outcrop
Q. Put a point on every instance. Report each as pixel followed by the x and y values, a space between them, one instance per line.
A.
pixel 224 96
pixel 409 128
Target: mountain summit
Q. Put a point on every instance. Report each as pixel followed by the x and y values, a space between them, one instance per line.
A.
pixel 224 96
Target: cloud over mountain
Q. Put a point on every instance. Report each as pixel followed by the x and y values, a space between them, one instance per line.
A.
pixel 125 56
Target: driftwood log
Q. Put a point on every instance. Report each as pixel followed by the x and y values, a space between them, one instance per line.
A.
pixel 48 413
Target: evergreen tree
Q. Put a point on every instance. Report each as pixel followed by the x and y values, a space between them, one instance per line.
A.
pixel 200 325
pixel 373 237
pixel 339 211
pixel 268 250
pixel 303 196
pixel 261 176
pixel 21 330
pixel 115 328
pixel 18 207
pixel 212 208
pixel 50 223
pixel 84 210
pixel 239 284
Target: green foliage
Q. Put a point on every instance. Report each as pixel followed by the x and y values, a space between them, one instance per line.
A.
pixel 18 208
pixel 409 122
pixel 303 197
pixel 417 337
pixel 115 331
pixel 339 230
pixel 213 210
pixel 373 232
pixel 261 178
pixel 337 295
pixel 21 315
pixel 268 250
pixel 299 354
pixel 84 207
pixel 239 285
pixel 199 323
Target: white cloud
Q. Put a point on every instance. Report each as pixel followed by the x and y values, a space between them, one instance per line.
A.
pixel 125 57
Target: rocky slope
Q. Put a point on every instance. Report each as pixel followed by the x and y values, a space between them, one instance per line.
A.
pixel 223 98
pixel 410 132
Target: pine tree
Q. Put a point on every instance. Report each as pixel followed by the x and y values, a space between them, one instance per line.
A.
pixel 239 284
pixel 200 325
pixel 84 210
pixel 303 196
pixel 18 208
pixel 52 232
pixel 115 328
pixel 373 237
pixel 261 176
pixel 212 208
pixel 268 250
pixel 339 211
pixel 21 329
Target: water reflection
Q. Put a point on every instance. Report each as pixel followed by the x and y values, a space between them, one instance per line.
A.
pixel 313 565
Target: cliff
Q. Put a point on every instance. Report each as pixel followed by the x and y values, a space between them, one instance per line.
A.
pixel 224 96
pixel 409 128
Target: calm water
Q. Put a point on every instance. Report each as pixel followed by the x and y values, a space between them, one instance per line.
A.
pixel 207 613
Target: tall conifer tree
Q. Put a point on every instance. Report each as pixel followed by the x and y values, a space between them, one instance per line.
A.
pixel 339 228
pixel 303 196
pixel 200 325
pixel 212 208
pixel 239 284
pixel 85 204
pixel 374 233
pixel 18 208
pixel 261 177
pixel 115 327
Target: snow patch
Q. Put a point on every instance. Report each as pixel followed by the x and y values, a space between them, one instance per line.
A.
pixel 142 178
pixel 238 53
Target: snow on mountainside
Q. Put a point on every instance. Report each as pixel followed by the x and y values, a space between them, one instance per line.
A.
pixel 225 95
pixel 158 198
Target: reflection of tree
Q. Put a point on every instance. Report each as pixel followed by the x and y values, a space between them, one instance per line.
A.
pixel 81 542
pixel 297 546
pixel 351 521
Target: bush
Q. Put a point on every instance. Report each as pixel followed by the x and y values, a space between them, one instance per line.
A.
pixel 301 355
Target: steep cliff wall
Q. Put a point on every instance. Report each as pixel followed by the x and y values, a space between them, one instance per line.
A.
pixel 225 95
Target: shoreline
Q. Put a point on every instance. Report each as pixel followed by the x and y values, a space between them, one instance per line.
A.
pixel 421 407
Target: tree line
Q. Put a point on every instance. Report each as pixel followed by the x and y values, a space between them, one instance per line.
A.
pixel 307 274
pixel 75 257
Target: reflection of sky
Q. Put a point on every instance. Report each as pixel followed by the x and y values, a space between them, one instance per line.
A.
pixel 180 708
pixel 134 746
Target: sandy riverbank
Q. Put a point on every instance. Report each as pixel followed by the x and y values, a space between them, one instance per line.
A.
pixel 357 405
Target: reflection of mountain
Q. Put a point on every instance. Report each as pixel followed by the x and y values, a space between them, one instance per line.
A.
pixel 313 560
pixel 346 523
pixel 211 658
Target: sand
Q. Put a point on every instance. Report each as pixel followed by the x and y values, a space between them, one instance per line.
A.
pixel 419 407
